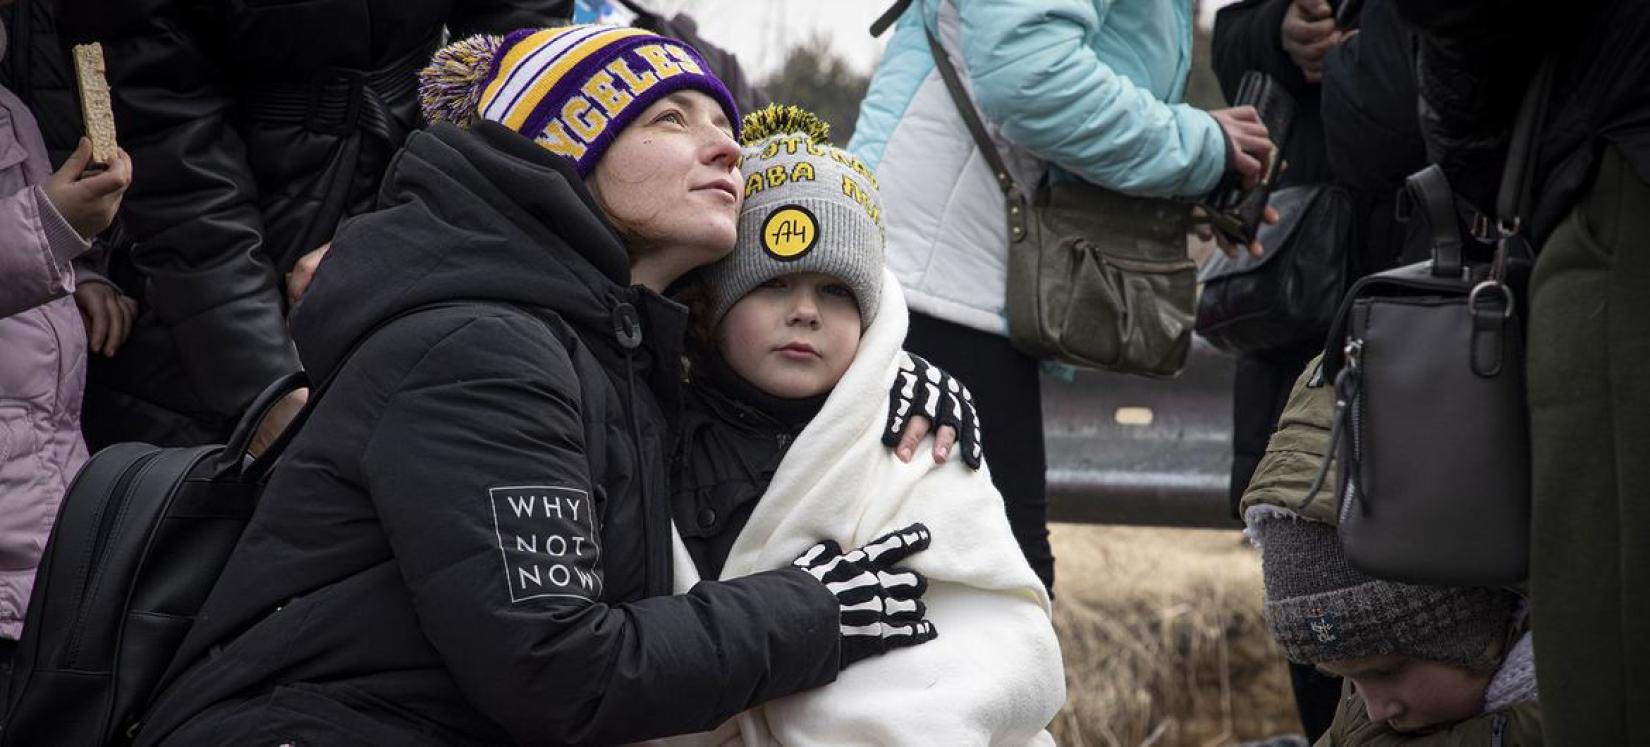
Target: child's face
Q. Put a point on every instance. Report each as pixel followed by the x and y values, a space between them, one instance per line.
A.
pixel 792 336
pixel 1411 694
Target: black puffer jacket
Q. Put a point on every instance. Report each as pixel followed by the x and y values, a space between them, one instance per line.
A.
pixel 734 436
pixel 254 126
pixel 468 541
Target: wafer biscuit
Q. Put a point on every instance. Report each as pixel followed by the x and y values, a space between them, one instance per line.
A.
pixel 94 101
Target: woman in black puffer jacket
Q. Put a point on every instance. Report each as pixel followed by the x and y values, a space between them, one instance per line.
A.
pixel 469 540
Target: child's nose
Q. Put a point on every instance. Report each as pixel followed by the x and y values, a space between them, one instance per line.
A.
pixel 805 310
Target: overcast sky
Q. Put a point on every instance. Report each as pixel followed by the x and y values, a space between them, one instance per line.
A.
pixel 760 31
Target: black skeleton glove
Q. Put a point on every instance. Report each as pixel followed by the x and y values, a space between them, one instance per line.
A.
pixel 882 606
pixel 921 388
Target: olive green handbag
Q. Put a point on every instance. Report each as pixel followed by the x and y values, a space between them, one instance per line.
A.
pixel 1096 278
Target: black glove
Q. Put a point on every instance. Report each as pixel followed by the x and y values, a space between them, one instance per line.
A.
pixel 882 606
pixel 921 388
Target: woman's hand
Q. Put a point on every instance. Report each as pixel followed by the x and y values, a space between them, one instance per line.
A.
pixel 1248 148
pixel 882 605
pixel 108 315
pixel 922 397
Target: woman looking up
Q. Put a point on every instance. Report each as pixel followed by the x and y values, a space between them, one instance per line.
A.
pixel 469 541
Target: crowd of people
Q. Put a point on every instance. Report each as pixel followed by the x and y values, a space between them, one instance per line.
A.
pixel 633 409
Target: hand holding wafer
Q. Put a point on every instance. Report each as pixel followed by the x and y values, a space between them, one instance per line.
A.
pixel 88 200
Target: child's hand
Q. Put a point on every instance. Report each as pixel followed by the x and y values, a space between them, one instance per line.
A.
pixel 108 315
pixel 88 199
pixel 925 397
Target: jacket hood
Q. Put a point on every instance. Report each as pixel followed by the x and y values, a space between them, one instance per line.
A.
pixel 1294 454
pixel 477 215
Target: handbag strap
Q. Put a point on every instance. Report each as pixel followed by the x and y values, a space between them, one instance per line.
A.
pixel 1429 190
pixel 1512 203
pixel 1012 195
pixel 889 16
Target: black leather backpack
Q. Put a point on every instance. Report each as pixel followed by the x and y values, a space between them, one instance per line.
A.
pixel 140 539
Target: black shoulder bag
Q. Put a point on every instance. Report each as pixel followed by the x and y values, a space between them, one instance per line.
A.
pixel 1431 424
pixel 1286 298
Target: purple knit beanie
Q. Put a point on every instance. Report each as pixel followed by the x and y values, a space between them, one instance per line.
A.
pixel 570 89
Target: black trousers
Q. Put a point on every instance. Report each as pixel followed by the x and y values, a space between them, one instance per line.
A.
pixel 1008 396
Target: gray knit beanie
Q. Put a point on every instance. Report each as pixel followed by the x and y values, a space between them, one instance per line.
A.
pixel 1320 609
pixel 809 207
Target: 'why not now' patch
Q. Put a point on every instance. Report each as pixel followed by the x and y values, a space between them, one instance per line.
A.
pixel 547 538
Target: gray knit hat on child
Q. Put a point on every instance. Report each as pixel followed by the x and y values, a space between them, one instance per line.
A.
pixel 809 207
pixel 1321 609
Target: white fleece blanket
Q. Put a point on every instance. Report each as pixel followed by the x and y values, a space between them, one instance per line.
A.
pixel 993 676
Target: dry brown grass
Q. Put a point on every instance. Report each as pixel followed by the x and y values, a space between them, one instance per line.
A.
pixel 1163 639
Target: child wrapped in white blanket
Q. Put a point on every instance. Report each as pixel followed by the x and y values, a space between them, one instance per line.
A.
pixel 783 447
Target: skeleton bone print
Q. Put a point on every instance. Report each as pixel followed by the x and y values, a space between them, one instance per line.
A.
pixel 882 606
pixel 921 388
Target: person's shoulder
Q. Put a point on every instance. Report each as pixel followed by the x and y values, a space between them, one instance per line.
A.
pixel 471 338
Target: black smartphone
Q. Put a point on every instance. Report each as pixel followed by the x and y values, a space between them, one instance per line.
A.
pixel 1234 211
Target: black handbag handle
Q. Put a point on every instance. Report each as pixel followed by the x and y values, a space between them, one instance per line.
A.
pixel 1429 190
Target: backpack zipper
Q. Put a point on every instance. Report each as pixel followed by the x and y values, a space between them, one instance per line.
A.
pixel 1355 406
pixel 107 518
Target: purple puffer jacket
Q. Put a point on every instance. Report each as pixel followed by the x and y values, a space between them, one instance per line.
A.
pixel 42 359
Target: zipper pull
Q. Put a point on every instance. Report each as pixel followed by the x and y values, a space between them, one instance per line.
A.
pixel 1346 381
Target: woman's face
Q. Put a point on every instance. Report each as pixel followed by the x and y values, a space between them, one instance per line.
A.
pixel 670 182
pixel 793 336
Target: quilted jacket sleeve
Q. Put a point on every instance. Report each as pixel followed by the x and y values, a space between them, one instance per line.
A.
pixel 493 532
pixel 36 250
pixel 1036 74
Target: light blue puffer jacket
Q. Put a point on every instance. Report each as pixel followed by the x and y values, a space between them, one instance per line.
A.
pixel 1090 87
